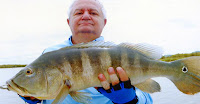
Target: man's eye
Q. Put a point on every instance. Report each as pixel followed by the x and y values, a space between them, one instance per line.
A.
pixel 78 13
pixel 93 13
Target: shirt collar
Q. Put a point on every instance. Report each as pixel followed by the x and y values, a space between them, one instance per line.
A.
pixel 101 38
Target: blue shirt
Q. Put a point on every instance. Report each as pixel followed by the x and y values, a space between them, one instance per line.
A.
pixel 97 98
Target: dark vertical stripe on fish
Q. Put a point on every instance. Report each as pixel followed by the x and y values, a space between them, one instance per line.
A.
pixel 131 57
pixel 94 57
pixel 74 59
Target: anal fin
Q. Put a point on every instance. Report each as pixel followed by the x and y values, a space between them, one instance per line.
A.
pixel 149 86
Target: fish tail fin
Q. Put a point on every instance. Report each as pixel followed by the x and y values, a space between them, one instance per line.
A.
pixel 187 77
pixel 187 85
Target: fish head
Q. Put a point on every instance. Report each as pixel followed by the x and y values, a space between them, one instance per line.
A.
pixel 186 77
pixel 41 83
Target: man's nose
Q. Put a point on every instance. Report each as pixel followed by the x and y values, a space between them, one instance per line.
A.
pixel 86 16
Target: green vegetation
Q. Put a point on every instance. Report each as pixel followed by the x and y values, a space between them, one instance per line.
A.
pixel 11 66
pixel 179 56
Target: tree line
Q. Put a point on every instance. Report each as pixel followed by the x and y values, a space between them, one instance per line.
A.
pixel 169 58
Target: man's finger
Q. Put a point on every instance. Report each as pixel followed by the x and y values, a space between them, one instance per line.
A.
pixel 113 77
pixel 105 84
pixel 122 74
pixel 29 97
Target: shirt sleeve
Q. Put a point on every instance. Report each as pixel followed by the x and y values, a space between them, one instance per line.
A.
pixel 143 97
pixel 56 47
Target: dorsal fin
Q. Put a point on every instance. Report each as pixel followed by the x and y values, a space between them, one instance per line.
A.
pixel 148 50
pixel 151 51
pixel 100 44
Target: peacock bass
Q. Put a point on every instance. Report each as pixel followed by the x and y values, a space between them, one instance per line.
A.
pixel 56 74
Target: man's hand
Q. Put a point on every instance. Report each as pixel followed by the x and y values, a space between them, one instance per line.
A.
pixel 30 100
pixel 120 90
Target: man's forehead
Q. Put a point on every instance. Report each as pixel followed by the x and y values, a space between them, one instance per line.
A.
pixel 87 1
pixel 86 4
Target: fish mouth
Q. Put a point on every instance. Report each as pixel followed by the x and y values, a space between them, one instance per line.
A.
pixel 12 86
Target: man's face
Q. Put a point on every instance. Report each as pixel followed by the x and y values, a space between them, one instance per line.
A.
pixel 86 19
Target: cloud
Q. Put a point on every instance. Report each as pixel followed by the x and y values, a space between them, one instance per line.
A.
pixel 28 27
pixel 183 23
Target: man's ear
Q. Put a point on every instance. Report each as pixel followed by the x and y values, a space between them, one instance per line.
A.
pixel 105 21
pixel 68 21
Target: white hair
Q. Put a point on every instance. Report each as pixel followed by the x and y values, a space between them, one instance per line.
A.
pixel 102 8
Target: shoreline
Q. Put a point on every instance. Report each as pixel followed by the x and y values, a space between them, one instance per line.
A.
pixel 12 66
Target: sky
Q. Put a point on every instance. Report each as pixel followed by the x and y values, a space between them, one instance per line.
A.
pixel 27 27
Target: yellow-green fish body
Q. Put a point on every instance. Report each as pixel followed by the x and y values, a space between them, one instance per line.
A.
pixel 59 73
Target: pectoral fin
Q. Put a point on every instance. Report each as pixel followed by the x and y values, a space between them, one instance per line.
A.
pixel 63 93
pixel 149 86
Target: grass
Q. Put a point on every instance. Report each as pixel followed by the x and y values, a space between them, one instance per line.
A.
pixel 11 66
pixel 179 56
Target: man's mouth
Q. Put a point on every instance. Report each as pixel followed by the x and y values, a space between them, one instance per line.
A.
pixel 86 23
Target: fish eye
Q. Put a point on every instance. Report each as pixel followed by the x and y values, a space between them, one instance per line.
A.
pixel 184 69
pixel 29 71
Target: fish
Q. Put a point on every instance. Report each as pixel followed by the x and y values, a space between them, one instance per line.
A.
pixel 55 74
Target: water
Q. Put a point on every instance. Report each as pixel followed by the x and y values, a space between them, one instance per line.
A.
pixel 169 94
pixel 8 97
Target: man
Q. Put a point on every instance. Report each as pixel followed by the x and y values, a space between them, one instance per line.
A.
pixel 87 20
